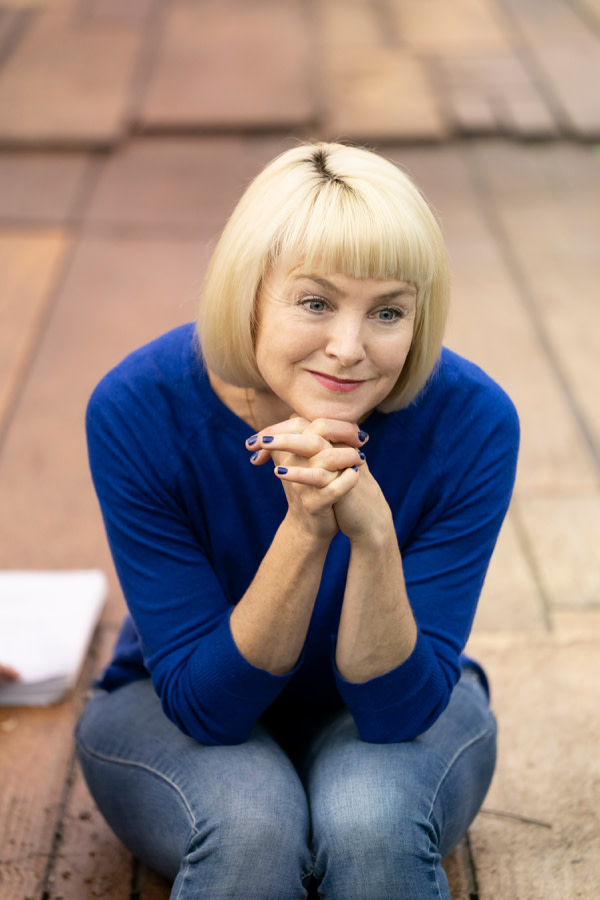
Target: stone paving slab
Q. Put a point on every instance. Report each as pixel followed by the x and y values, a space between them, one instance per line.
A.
pixel 371 86
pixel 29 264
pixel 57 88
pixel 511 596
pixel 180 183
pixel 493 92
pixel 117 294
pixel 490 323
pixel 558 263
pixel 564 537
pixel 383 96
pixel 462 26
pixel 42 187
pixel 231 65
pixel 122 12
pixel 575 624
pixel 403 69
pixel 566 54
pixel 539 832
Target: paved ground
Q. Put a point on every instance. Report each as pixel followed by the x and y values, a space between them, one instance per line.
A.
pixel 127 130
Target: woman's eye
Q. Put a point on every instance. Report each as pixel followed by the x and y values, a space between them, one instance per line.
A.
pixel 314 304
pixel 389 314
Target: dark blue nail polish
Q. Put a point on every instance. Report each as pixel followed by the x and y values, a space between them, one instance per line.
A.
pixel 252 440
pixel 363 436
pixel 267 439
pixel 361 454
pixel 254 456
pixel 281 470
pixel 355 468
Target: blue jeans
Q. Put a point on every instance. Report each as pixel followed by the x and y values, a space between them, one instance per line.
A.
pixel 366 821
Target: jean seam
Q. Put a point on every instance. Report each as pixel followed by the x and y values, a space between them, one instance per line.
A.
pixel 146 768
pixel 474 740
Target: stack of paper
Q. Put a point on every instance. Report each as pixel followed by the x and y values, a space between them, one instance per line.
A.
pixel 47 620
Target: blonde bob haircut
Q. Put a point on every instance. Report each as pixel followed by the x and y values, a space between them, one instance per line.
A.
pixel 332 209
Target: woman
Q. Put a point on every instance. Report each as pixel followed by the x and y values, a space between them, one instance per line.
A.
pixel 288 703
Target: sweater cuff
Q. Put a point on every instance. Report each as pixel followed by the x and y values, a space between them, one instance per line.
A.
pixel 223 670
pixel 402 703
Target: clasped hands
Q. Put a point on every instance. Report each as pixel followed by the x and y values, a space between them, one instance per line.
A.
pixel 323 470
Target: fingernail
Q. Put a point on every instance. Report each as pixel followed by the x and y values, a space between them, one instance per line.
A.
pixel 252 440
pixel 363 436
pixel 254 456
pixel 355 468
pixel 281 470
pixel 267 438
pixel 361 454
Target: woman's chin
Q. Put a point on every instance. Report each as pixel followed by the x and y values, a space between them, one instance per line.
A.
pixel 344 412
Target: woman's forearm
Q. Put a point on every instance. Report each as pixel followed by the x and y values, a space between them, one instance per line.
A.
pixel 377 629
pixel 270 622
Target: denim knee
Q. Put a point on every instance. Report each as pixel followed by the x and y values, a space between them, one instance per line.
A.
pixel 373 845
pixel 383 815
pixel 260 853
pixel 222 822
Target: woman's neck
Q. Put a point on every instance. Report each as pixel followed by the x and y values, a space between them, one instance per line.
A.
pixel 258 408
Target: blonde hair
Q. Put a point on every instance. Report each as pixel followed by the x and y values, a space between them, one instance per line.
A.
pixel 333 209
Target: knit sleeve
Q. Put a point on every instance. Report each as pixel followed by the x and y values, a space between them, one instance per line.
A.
pixel 207 688
pixel 471 474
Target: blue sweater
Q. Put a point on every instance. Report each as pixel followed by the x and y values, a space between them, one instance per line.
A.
pixel 189 519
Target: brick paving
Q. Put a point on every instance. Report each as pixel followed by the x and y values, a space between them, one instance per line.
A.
pixel 128 129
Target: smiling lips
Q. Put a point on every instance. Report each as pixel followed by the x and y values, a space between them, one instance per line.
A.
pixel 341 385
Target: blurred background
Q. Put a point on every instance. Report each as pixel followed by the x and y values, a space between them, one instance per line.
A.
pixel 128 129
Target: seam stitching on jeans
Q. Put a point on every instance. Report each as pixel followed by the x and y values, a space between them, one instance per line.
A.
pixel 146 768
pixel 478 737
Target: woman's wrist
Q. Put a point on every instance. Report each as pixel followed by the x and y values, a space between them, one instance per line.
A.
pixel 377 536
pixel 310 534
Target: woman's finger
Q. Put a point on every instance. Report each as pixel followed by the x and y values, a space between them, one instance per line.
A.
pixel 300 444
pixel 296 424
pixel 338 432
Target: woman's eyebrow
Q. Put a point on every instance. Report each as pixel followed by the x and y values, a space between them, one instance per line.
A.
pixel 324 282
pixel 407 290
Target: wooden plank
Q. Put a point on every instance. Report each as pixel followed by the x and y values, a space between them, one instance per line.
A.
pixel 41 187
pixel 58 90
pixel 459 872
pixel 88 860
pixel 539 832
pixel 29 265
pixel 35 753
pixel 148 885
pixel 567 54
pixel 490 325
pixel 232 64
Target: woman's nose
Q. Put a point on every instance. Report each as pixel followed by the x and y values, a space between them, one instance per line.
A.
pixel 346 344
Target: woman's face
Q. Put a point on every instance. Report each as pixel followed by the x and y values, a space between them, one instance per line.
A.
pixel 332 347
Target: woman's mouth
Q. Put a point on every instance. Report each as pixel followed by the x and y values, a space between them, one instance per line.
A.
pixel 340 385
